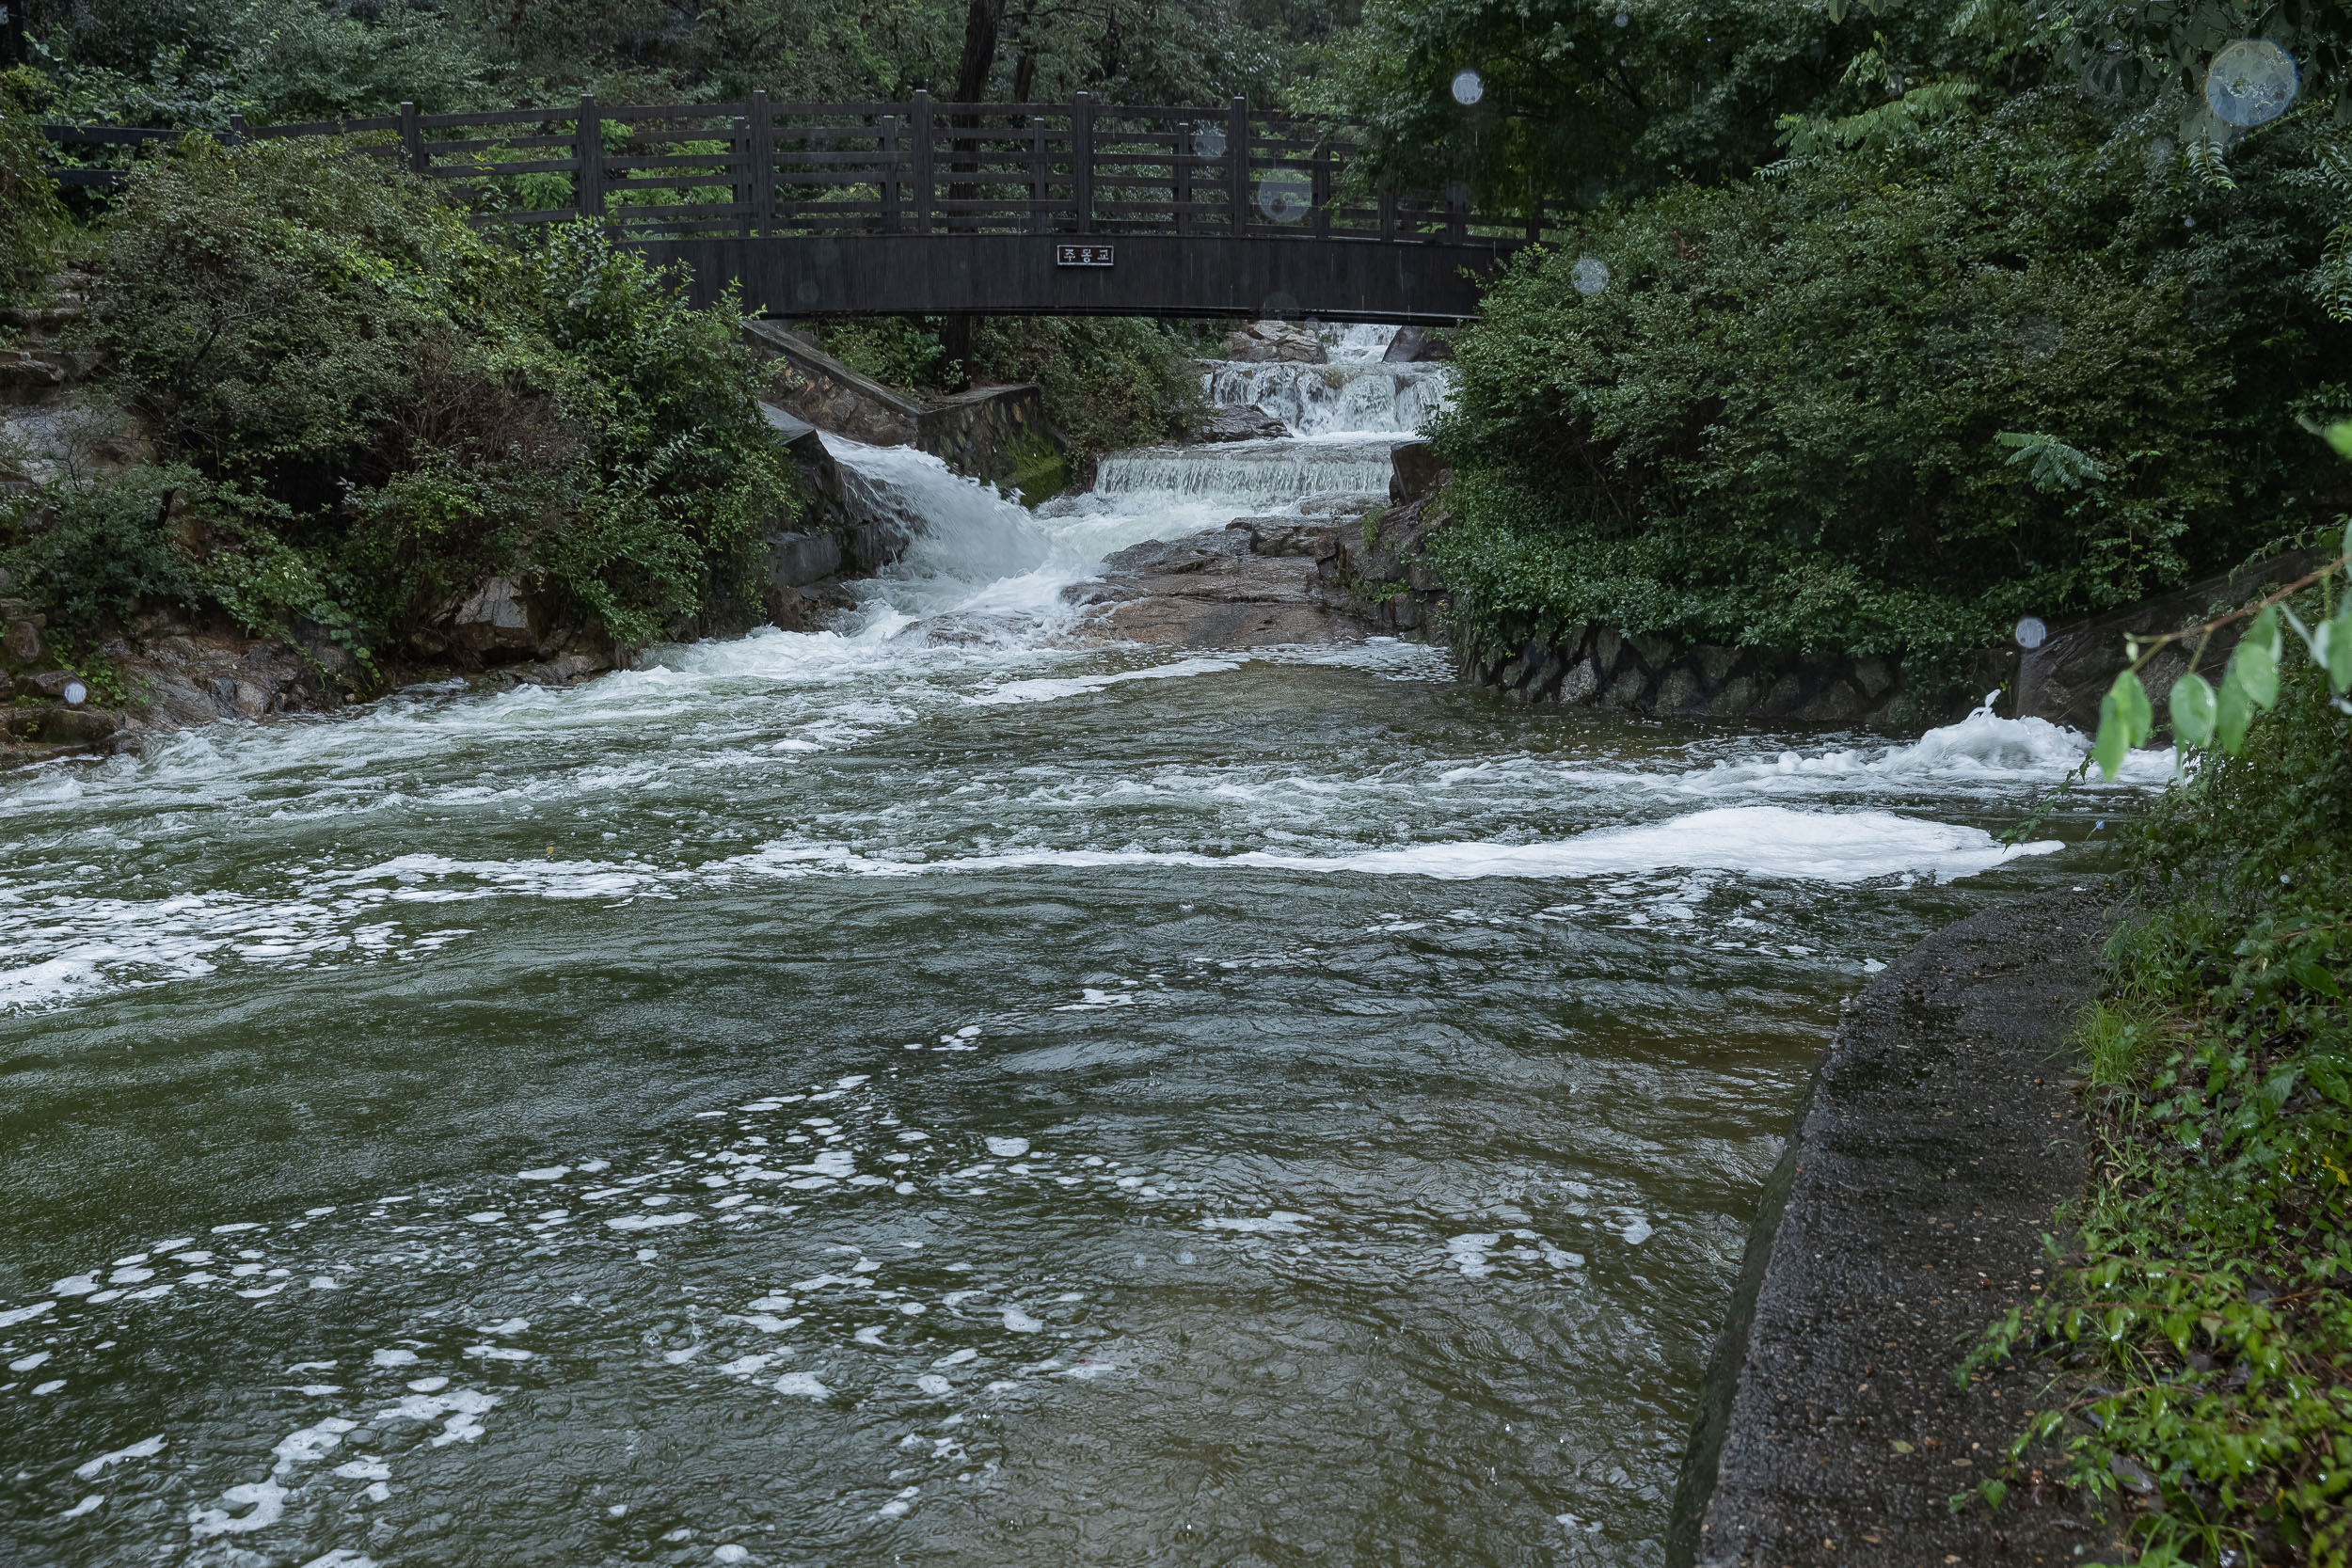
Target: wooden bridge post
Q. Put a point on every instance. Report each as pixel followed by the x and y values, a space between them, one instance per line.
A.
pixel 1388 212
pixel 739 170
pixel 1183 192
pixel 236 130
pixel 1038 221
pixel 1536 220
pixel 1323 191
pixel 763 164
pixel 887 144
pixel 412 139
pixel 591 158
pixel 922 118
pixel 1238 149
pixel 1081 160
pixel 1456 212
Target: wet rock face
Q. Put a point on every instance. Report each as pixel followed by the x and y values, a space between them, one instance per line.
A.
pixel 1263 343
pixel 498 622
pixel 1412 345
pixel 1250 423
pixel 1255 583
pixel 19 633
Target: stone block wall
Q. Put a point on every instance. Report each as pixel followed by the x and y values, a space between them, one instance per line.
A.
pixel 1599 668
pixel 995 433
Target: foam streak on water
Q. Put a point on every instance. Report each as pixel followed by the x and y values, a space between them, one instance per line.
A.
pixel 929 1089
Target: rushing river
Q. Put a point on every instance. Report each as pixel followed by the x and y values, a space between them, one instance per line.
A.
pixel 930 1091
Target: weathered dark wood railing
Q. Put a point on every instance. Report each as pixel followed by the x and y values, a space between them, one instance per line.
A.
pixel 679 178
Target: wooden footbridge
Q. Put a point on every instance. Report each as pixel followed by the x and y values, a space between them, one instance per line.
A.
pixel 943 209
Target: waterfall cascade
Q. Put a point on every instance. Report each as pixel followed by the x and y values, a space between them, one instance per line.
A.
pixel 979 566
pixel 1343 417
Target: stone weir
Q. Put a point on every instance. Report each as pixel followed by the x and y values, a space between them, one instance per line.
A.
pixel 1339 570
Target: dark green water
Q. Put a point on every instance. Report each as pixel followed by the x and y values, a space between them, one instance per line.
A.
pixel 826 1102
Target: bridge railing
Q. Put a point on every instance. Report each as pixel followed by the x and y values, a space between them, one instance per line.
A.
pixel 918 168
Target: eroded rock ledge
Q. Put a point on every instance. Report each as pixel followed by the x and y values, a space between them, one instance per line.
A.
pixel 1907 1213
pixel 1267 581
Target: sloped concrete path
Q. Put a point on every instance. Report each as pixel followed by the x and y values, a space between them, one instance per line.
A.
pixel 1907 1213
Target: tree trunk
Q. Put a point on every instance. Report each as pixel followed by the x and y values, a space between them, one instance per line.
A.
pixel 955 335
pixel 980 26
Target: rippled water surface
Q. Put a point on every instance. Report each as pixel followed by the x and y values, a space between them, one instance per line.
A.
pixel 869 1098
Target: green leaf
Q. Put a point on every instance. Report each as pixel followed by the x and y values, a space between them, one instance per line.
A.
pixel 2231 714
pixel 2107 748
pixel 2340 437
pixel 2255 664
pixel 2339 633
pixel 2125 718
pixel 2192 707
pixel 2132 705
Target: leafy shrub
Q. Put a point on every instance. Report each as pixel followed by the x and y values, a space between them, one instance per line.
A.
pixel 83 554
pixel 1887 402
pixel 2209 1273
pixel 263 309
pixel 131 62
pixel 893 350
pixel 685 473
pixel 31 218
pixel 1107 381
pixel 376 407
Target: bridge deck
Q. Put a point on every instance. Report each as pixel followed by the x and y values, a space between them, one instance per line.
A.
pixel 946 208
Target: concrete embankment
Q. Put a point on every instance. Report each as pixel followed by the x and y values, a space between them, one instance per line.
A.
pixel 1907 1213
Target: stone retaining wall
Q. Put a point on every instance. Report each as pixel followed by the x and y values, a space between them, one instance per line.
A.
pixel 1907 1213
pixel 998 434
pixel 1657 675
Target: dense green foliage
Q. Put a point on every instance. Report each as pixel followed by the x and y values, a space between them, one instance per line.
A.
pixel 1107 381
pixel 196 62
pixel 1586 100
pixel 2210 1284
pixel 31 217
pixel 369 407
pixel 1887 401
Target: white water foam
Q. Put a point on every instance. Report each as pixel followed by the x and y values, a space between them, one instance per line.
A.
pixel 1759 841
pixel 1247 475
pixel 1048 690
pixel 1336 399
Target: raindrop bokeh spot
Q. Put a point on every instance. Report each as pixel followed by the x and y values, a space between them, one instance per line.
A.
pixel 1469 88
pixel 1280 305
pixel 2110 76
pixel 2032 632
pixel 1208 142
pixel 2250 83
pixel 1590 275
pixel 1623 17
pixel 2040 337
pixel 1285 195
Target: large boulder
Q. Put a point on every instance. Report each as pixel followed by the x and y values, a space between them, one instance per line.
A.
pixel 497 621
pixel 1414 471
pixel 1267 341
pixel 1251 423
pixel 20 632
pixel 798 559
pixel 1413 345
